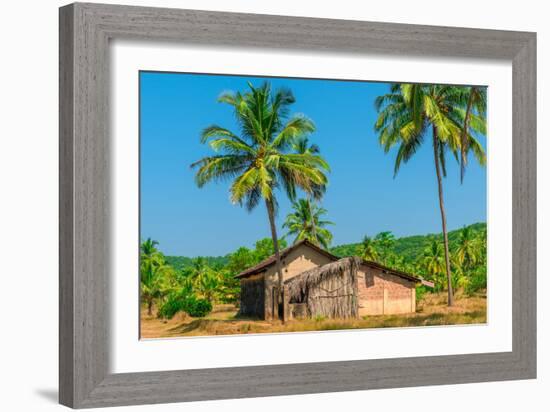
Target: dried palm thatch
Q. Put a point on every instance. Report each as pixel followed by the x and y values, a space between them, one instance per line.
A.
pixel 329 290
pixel 252 297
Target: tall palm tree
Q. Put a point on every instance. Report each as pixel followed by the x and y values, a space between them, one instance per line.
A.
pixel 306 223
pixel 370 251
pixel 259 158
pixel 406 115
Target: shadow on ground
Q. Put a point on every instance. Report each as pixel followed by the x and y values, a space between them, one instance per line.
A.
pixel 51 395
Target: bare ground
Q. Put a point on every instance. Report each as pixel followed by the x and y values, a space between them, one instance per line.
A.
pixel 223 320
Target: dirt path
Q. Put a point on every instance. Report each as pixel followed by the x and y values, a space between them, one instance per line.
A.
pixel 432 311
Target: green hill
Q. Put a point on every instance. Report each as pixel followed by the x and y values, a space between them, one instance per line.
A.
pixel 180 262
pixel 409 247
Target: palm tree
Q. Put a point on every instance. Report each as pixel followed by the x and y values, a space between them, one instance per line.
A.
pixel 385 241
pixel 197 268
pixel 433 261
pixel 149 248
pixel 370 251
pixel 153 274
pixel 203 278
pixel 305 223
pixel 302 146
pixel 207 285
pixel 475 112
pixel 406 115
pixel 468 249
pixel 259 159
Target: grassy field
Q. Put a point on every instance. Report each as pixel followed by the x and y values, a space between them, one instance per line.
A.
pixel 431 311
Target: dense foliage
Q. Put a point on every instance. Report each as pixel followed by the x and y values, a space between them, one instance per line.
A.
pixel 180 262
pixel 195 284
pixel 408 247
pixel 270 154
pixel 198 283
pixel 423 255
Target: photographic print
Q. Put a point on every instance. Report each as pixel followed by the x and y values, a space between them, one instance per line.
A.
pixel 276 205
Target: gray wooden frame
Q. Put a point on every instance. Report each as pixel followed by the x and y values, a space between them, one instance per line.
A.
pixel 85 31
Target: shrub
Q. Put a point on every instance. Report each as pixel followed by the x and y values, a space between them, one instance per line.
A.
pixel 189 304
pixel 197 308
pixel 172 305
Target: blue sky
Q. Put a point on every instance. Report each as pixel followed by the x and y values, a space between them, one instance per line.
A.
pixel 362 197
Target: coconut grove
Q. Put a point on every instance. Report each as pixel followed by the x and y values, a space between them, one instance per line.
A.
pixel 271 205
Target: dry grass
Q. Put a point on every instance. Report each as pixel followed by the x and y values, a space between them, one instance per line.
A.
pixel 432 311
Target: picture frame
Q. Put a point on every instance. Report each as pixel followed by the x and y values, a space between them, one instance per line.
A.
pixel 85 33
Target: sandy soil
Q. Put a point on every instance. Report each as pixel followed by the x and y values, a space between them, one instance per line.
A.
pixel 223 320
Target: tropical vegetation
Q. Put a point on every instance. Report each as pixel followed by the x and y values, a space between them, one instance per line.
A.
pixel 424 255
pixel 453 116
pixel 270 155
pixel 261 157
pixel 156 276
pixel 196 286
pixel 306 222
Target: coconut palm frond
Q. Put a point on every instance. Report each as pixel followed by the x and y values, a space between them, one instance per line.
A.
pixel 455 116
pixel 262 156
pixel 305 222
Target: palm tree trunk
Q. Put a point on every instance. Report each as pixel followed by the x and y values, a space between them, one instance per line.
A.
pixel 443 218
pixel 313 228
pixel 279 266
pixel 150 307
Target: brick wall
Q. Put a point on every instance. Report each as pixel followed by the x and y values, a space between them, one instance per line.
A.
pixel 383 293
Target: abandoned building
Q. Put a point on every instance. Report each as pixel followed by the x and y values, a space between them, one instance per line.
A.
pixel 317 283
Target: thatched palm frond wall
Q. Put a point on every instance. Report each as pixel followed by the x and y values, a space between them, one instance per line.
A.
pixel 329 290
pixel 252 297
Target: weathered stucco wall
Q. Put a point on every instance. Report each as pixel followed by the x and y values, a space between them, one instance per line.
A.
pixel 298 261
pixel 384 294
